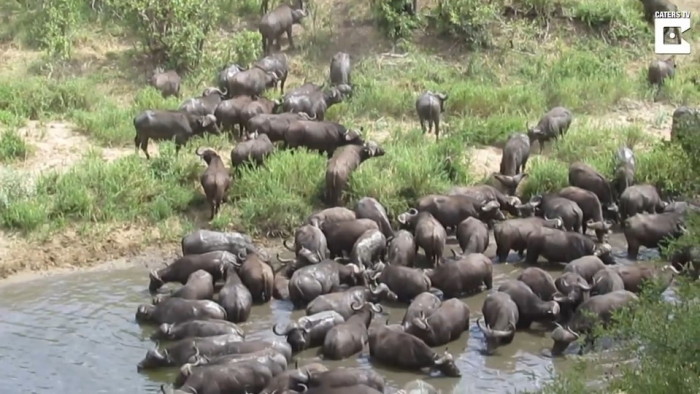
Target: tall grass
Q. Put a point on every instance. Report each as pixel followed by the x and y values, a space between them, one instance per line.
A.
pixel 12 146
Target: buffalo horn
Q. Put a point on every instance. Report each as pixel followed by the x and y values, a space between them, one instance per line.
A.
pixel 413 212
pixel 274 329
pixel 454 253
pixel 377 308
pixel 584 287
pixel 352 306
pixel 284 261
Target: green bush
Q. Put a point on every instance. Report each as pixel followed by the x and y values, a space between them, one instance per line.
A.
pixel 466 20
pixel 544 175
pixel 173 33
pixel 55 25
pixel 392 18
pixel 36 97
pixel 666 167
pixel 618 20
pixel 12 146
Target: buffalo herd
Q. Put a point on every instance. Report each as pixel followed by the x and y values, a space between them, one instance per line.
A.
pixel 348 262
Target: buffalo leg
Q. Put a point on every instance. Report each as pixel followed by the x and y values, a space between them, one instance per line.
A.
pixel 502 253
pixel 144 148
pixel 289 37
pixel 632 249
pixel 422 125
pixel 282 85
pixel 437 130
pixel 264 44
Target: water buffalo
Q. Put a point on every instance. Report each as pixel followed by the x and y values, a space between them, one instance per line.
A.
pixel 539 281
pixel 653 6
pixel 275 126
pixel 472 235
pixel 256 274
pixel 640 199
pixel 341 301
pixel 424 304
pixel 573 289
pixel 314 103
pixel 342 164
pixel 501 317
pixel 429 106
pixel 450 211
pixel 597 309
pixel 205 104
pixel 177 310
pixel 591 209
pixel 368 249
pixel 311 281
pixel 625 168
pixel 483 194
pixel 406 282
pixel 353 389
pixel 606 281
pixel 659 70
pixel 279 21
pixel 196 328
pixel 231 377
pixel 309 243
pixel 180 270
pixel 342 235
pixel 166 82
pixel 226 73
pixel 552 125
pixel 634 276
pixel 370 208
pixel 204 241
pixel 215 180
pixel 168 125
pixel 444 325
pixel 331 215
pixel 530 307
pixel 252 82
pixel 553 206
pixel 584 176
pixel 340 69
pixel 401 249
pixel 430 235
pixel 586 266
pixel 513 234
pixel 229 113
pixel 462 274
pixel 182 351
pixel 257 107
pixel 235 297
pixel 199 286
pixel 403 350
pixel 309 331
pixel 291 381
pixel 276 63
pixel 515 154
pixel 346 339
pixel 254 150
pixel 280 290
pixel 651 230
pixel 321 136
pixel 563 246
pixel 345 377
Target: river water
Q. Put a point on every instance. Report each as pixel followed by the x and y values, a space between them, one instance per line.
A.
pixel 75 333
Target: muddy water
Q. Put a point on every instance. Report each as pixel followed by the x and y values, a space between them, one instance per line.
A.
pixel 75 333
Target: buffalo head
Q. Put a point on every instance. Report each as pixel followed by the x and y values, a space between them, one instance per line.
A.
pixel 155 281
pixel 297 334
pixel 164 331
pixel 562 338
pixel 407 218
pixel 382 291
pixel 298 15
pixel 446 364
pixel 155 358
pixel 353 136
pixel 510 183
pixel 442 97
pixel 207 123
pixel 604 252
pixel 493 337
pixel 207 154
pixel 372 149
pixel 212 90
pixel 144 312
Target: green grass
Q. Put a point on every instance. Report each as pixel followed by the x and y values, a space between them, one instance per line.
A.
pixel 12 146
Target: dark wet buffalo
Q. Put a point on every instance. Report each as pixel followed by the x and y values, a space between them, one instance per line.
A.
pixel 429 106
pixel 177 310
pixel 280 290
pixel 424 304
pixel 473 236
pixel 254 150
pixel 256 274
pixel 539 281
pixel 252 82
pixel 235 297
pixel 443 325
pixel 183 351
pixel 401 350
pixel 463 274
pixel 597 309
pixel 531 308
pixel 640 199
pixel 591 208
pixel 515 154
pixel 309 331
pixel 340 69
pixel 199 286
pixel 552 125
pixel 230 377
pixel 483 194
pixel 406 282
pixel 214 263
pixel 345 377
pixel 275 126
pixel 430 235
pixel 229 113
pixel 586 266
pixel 369 249
pixel 553 206
pixel 370 208
pixel 342 235
pixel 345 160
pixel 170 125
pixel 513 234
pixel 573 289
pixel 652 230
pixel 204 241
pixel 563 246
pixel 226 73
pixel 635 276
pixel 584 176
pixel 606 281
pixel 625 168
pixel 450 211
pixel 311 281
pixel 321 136
pixel 205 104
pixel 501 317
pixel 331 215
pixel 341 301
pixel 292 381
pixel 310 244
pixel 315 103
pixel 350 337
pixel 196 328
pixel 276 63
pixel 401 249
pixel 277 22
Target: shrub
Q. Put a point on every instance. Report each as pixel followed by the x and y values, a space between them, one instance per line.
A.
pixel 618 20
pixel 12 146
pixel 466 20
pixel 666 167
pixel 544 176
pixel 393 18
pixel 173 33
pixel 55 25
pixel 35 97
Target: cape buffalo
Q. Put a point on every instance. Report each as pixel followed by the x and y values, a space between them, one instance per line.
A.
pixel 406 282
pixel 346 339
pixel 513 234
pixel 345 377
pixel 277 22
pixel 199 286
pixel 559 246
pixel 166 82
pixel 203 241
pixel 226 73
pixel 196 328
pixel 315 103
pixel 500 320
pixel 539 281
pixel 331 215
pixel 530 306
pixel 606 281
pixel 182 351
pixel 552 125
pixel 443 325
pixel 424 304
pixel 275 126
pixel 660 70
pixel 214 263
pixel 430 235
pixel 342 235
pixel 342 164
pixel 590 208
pixel 254 150
pixel 486 193
pixel 450 211
pixel 252 82
pixel 310 331
pixel 429 106
pixel 401 249
pixel 311 281
pixel 235 297
pixel 256 274
pixel 341 301
pixel 515 154
pixel 205 104
pixel 462 275
pixel 276 63
pixel 652 230
pixel 625 168
pixel 368 249
pixel 640 199
pixel 370 208
pixel 169 125
pixel 553 206
pixel 177 310
pixel 472 235
pixel 584 176
pixel 340 69
pixel 215 179
pixel 321 136
pixel 309 243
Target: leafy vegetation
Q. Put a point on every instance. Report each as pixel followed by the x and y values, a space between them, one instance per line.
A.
pixel 12 146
